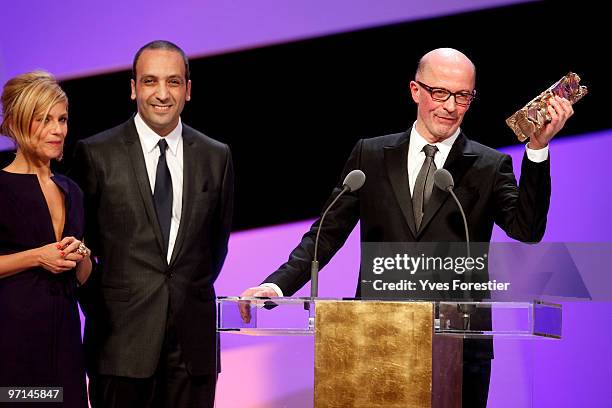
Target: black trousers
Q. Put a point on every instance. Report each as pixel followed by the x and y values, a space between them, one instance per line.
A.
pixel 476 378
pixel 171 386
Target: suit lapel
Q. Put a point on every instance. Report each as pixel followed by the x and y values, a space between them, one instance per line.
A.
pixel 459 160
pixel 189 188
pixel 396 158
pixel 140 174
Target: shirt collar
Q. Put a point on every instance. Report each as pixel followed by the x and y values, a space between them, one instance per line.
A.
pixel 149 139
pixel 417 142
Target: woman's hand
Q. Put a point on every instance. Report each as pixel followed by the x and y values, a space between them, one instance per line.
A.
pixel 57 257
pixel 52 258
pixel 74 250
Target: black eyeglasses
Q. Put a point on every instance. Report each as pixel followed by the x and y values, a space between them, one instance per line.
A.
pixel 462 98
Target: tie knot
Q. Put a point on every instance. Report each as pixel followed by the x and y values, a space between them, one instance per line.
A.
pixel 430 150
pixel 163 145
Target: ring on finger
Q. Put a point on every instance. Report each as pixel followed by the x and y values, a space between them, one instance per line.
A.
pixel 82 250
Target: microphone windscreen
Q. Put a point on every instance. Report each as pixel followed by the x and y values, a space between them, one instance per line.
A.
pixel 354 180
pixel 443 179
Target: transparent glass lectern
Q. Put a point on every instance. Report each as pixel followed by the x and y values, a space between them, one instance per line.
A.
pixel 413 350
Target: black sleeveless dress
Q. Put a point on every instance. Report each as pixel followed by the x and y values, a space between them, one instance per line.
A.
pixel 40 327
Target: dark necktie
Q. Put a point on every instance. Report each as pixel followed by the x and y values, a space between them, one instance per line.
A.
pixel 424 184
pixel 163 193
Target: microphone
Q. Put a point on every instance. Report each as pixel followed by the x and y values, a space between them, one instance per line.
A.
pixel 352 182
pixel 444 181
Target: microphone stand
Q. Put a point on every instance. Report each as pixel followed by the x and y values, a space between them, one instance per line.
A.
pixel 465 310
pixel 314 266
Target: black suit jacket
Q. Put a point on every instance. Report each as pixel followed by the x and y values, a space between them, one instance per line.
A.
pixel 484 183
pixel 127 299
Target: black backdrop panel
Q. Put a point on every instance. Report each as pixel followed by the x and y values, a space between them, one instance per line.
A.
pixel 292 112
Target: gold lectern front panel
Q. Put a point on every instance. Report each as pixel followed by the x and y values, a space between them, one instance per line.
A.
pixel 373 354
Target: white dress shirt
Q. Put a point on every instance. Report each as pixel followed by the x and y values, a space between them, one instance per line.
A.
pixel 174 159
pixel 416 157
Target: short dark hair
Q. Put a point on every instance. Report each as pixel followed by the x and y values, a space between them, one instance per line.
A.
pixel 161 45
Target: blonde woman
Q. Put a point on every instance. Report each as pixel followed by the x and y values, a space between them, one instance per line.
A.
pixel 42 260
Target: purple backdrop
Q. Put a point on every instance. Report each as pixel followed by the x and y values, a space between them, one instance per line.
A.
pixel 75 38
pixel 79 38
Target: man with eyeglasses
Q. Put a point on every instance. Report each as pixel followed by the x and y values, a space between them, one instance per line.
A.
pixel 398 203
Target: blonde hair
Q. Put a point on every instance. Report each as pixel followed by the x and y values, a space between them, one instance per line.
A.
pixel 24 98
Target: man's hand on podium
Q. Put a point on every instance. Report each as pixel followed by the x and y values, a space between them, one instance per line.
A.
pixel 245 305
